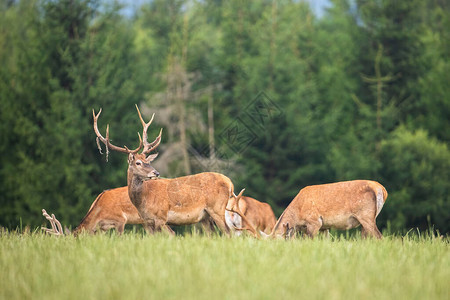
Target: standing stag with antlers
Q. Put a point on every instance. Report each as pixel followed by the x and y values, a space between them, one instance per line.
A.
pixel 178 201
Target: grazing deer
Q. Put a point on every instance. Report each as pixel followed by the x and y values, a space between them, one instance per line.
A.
pixel 340 205
pixel 111 209
pixel 178 201
pixel 259 214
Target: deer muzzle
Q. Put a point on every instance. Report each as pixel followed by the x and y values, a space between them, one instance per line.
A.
pixel 153 175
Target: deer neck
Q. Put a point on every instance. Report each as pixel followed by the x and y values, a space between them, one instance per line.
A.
pixel 278 229
pixel 89 220
pixel 135 188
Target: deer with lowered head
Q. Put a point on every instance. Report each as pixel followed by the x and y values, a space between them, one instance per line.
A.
pixel 340 205
pixel 259 214
pixel 112 209
pixel 178 201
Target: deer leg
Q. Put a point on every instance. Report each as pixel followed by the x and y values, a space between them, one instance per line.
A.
pixel 168 229
pixel 220 222
pixel 149 226
pixel 312 228
pixel 363 233
pixel 380 236
pixel 160 225
pixel 369 228
pixel 120 227
pixel 325 232
pixel 207 225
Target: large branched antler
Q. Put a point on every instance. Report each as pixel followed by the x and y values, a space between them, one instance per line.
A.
pixel 148 147
pixel 106 140
pixel 56 225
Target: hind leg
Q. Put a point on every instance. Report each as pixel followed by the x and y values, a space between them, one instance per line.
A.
pixel 325 232
pixel 160 225
pixel 369 228
pixel 207 225
pixel 149 226
pixel 168 229
pixel 220 222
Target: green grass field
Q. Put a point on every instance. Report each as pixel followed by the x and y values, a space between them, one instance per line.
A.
pixel 191 266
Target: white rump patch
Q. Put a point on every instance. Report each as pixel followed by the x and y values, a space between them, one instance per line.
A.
pixel 380 201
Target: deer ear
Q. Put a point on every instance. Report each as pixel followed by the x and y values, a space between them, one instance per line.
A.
pixel 152 157
pixel 130 158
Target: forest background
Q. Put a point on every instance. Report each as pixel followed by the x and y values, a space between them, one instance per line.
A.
pixel 265 92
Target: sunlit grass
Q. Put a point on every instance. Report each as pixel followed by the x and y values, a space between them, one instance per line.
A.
pixel 192 266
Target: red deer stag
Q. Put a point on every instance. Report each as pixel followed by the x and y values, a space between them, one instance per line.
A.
pixel 340 205
pixel 259 214
pixel 112 209
pixel 178 201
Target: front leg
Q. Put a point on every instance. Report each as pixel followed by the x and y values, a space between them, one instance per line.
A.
pixel 149 225
pixel 161 225
pixel 169 230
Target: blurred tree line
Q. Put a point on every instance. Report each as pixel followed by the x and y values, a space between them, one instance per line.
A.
pixel 262 91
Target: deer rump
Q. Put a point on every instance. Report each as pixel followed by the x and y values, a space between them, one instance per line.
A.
pixel 259 214
pixel 340 205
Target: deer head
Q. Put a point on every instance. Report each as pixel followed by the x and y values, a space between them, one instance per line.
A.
pixel 138 163
pixel 233 206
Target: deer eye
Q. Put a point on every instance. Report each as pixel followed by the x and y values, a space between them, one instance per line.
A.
pixel 138 163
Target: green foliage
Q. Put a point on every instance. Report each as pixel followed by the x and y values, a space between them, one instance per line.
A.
pixel 61 63
pixel 416 173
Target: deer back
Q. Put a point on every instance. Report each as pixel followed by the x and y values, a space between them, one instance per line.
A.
pixel 339 198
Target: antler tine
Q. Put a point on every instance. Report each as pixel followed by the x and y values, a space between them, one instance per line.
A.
pixel 106 140
pixel 47 216
pixel 153 145
pixel 97 132
pixel 145 125
pixel 148 147
pixel 237 210
pixel 238 197
pixel 56 225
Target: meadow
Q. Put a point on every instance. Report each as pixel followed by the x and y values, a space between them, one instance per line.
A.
pixel 194 266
